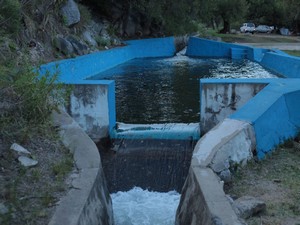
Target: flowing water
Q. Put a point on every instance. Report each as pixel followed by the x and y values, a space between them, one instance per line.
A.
pixel 142 207
pixel 159 90
pixel 165 90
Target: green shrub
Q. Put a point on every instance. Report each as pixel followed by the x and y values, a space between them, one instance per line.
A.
pixel 10 16
pixel 27 100
pixel 102 41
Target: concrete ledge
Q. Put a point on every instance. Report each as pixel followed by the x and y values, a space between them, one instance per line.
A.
pixel 88 202
pixel 203 200
pixel 169 131
pixel 233 138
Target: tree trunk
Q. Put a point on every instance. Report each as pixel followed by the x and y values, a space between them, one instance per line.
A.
pixel 226 27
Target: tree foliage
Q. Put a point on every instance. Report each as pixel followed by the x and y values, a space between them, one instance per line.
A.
pixel 10 16
pixel 230 11
pixel 175 17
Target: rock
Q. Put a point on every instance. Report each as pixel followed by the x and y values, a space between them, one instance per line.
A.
pixel 225 175
pixel 70 13
pixel 96 27
pixel 87 37
pixel 220 165
pixel 182 52
pixel 116 41
pixel 79 48
pixel 181 42
pixel 296 145
pixel 3 209
pixel 130 27
pixel 63 46
pixel 19 149
pixel 248 206
pixel 216 221
pixel 27 162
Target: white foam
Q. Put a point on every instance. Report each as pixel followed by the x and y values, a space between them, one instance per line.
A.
pixel 143 207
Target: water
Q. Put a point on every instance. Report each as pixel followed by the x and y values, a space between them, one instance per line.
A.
pixel 142 207
pixel 165 90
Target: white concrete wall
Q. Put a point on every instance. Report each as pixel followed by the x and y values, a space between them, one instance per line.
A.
pixel 220 100
pixel 203 200
pixel 89 107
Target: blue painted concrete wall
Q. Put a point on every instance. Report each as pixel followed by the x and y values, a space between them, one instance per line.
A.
pixel 275 111
pixel 155 47
pixel 286 65
pixel 82 67
pixel 199 47
pixel 74 71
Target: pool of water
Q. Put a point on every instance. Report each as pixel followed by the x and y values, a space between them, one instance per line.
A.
pixel 142 207
pixel 164 90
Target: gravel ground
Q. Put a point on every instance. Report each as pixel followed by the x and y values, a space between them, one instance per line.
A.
pixel 29 195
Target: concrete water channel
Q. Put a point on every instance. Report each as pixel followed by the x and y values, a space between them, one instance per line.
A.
pixel 239 118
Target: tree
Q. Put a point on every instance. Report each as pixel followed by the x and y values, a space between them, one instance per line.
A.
pixel 168 16
pixel 230 11
pixel 10 18
pixel 281 13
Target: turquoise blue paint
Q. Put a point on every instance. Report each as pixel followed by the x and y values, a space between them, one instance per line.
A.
pixel 199 47
pixel 289 66
pixel 169 131
pixel 76 70
pixel 275 111
pixel 82 67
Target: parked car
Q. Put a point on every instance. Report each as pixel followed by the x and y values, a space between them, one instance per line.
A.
pixel 247 28
pixel 263 29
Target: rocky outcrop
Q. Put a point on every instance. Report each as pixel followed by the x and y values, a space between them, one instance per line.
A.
pixel 70 13
pixel 70 46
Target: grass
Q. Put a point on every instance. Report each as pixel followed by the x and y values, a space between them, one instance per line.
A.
pixel 249 38
pixel 276 180
pixel 293 52
pixel 62 168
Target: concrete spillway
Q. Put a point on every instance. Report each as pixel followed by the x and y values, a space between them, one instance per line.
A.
pixel 159 165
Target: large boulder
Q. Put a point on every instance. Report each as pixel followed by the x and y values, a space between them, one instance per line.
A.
pixel 87 37
pixel 79 48
pixel 70 13
pixel 248 206
pixel 63 45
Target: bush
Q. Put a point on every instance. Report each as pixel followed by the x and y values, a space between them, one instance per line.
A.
pixel 27 100
pixel 10 16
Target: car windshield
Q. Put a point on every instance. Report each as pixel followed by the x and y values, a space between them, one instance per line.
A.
pixel 250 24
